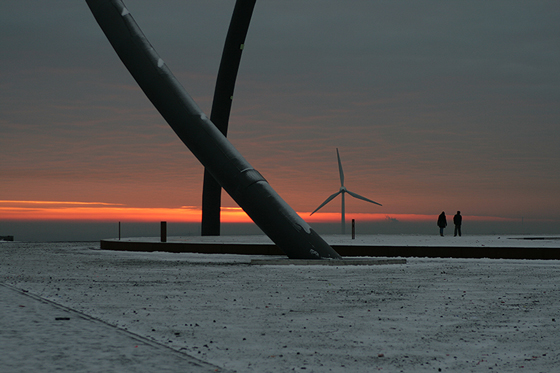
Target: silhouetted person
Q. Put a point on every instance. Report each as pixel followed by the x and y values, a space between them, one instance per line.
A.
pixel 441 222
pixel 457 220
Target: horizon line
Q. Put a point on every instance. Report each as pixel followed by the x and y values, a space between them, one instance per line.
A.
pixel 18 210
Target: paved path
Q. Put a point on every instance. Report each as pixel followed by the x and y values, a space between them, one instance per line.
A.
pixel 37 335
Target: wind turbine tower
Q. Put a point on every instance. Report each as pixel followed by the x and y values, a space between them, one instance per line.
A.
pixel 342 191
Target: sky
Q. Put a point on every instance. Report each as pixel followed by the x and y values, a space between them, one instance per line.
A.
pixel 434 106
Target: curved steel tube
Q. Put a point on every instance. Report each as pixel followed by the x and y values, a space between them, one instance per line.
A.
pixel 243 183
pixel 221 107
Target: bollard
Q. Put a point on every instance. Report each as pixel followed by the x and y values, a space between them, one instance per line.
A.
pixel 163 231
pixel 353 229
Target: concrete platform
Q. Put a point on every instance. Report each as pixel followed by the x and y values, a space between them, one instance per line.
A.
pixel 378 246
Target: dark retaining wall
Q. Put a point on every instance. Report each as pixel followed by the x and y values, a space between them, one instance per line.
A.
pixel 344 250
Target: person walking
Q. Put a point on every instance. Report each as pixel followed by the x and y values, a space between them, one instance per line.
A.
pixel 441 222
pixel 457 220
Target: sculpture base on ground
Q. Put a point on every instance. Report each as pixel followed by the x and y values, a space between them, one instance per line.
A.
pixel 339 262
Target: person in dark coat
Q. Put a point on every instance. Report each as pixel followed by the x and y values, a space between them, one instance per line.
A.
pixel 441 222
pixel 457 220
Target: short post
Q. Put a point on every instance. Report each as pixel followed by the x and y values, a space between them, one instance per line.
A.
pixel 119 230
pixel 353 228
pixel 163 231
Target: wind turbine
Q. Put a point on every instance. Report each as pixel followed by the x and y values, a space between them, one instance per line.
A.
pixel 342 191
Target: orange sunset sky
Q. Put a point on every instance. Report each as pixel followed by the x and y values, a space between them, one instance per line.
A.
pixel 434 106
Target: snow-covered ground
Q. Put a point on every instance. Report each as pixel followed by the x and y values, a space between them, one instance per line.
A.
pixel 458 315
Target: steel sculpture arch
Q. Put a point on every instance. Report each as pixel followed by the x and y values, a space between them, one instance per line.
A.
pixel 221 107
pixel 238 178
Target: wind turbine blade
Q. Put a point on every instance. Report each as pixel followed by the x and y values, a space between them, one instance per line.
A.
pixel 340 169
pixel 362 198
pixel 326 201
